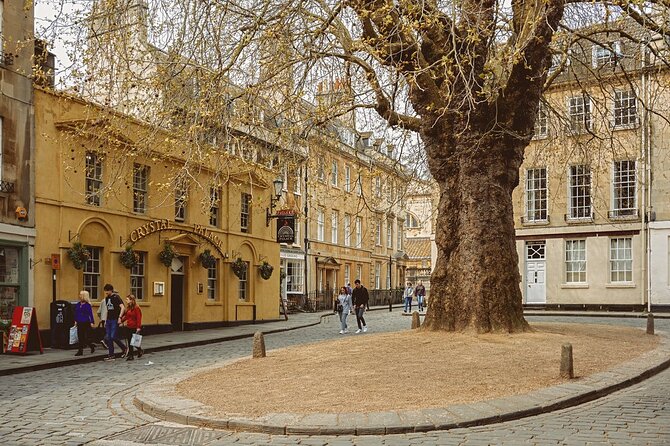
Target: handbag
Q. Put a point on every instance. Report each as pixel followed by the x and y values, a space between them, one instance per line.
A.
pixel 136 340
pixel 74 338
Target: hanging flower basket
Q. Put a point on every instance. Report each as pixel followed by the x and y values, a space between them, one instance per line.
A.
pixel 167 254
pixel 266 270
pixel 239 268
pixel 78 254
pixel 207 259
pixel 129 257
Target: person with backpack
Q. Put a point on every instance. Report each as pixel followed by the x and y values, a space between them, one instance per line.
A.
pixel 115 310
pixel 420 293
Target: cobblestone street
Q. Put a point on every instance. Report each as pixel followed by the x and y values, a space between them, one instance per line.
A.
pixel 92 403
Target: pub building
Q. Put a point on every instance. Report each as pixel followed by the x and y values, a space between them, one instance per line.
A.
pixel 114 205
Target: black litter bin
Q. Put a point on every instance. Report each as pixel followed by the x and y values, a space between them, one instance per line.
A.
pixel 62 319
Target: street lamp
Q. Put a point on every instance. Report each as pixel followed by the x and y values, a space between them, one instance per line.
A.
pixel 278 186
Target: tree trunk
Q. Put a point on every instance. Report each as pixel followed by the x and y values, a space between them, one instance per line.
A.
pixel 475 283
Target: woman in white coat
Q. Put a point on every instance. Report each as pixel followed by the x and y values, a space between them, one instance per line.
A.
pixel 344 306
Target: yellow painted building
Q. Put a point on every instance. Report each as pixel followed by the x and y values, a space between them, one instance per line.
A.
pixel 112 183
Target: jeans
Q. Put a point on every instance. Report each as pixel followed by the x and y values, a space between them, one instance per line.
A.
pixel 343 319
pixel 112 335
pixel 359 317
pixel 420 302
pixel 408 304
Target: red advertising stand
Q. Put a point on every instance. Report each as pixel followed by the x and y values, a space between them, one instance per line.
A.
pixel 24 335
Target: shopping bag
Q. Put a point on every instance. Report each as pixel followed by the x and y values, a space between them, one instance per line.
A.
pixel 74 338
pixel 136 340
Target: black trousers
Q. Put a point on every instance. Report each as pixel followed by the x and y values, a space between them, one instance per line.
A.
pixel 84 335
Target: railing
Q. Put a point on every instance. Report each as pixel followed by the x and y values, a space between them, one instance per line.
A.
pixel 6 186
pixel 325 300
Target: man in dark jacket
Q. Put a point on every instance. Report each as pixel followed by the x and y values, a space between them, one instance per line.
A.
pixel 360 297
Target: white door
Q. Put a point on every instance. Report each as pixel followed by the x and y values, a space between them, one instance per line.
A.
pixel 536 291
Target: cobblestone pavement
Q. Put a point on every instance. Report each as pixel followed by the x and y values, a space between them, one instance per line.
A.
pixel 92 403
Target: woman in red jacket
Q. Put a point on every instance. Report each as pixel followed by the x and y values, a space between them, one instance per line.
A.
pixel 133 321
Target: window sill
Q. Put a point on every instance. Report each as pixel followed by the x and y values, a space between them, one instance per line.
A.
pixel 625 126
pixel 578 220
pixel 540 137
pixel 621 285
pixel 575 286
pixel 213 303
pixel 244 303
pixel 535 222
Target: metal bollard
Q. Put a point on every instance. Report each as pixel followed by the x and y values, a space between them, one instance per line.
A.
pixel 650 324
pixel 390 306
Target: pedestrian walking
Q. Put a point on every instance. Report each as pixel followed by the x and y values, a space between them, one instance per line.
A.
pixel 102 314
pixel 361 297
pixel 132 319
pixel 344 308
pixel 83 320
pixel 408 295
pixel 420 293
pixel 115 310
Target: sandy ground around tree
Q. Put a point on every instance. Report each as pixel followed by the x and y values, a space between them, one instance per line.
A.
pixel 409 370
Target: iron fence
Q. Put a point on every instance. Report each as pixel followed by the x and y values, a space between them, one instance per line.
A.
pixel 325 300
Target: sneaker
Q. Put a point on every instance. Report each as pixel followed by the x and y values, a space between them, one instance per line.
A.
pixel 341 331
pixel 109 358
pixel 125 353
pixel 346 331
pixel 365 329
pixel 78 353
pixel 358 331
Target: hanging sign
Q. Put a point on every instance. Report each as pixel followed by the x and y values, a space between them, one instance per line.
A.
pixel 24 335
pixel 285 227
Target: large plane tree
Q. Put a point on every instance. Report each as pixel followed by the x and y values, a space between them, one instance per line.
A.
pixel 466 76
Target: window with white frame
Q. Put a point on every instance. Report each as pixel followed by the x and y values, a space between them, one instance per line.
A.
pixel 334 226
pixel 605 54
pixel 294 276
pixel 389 233
pixel 212 279
pixel 575 261
pixel 411 221
pixel 359 272
pixel 180 199
pixel 400 233
pixel 347 274
pixel 625 108
pixel 298 225
pixel 140 188
pixel 378 232
pixel 137 276
pixel 320 224
pixel 333 174
pixel 624 188
pixel 321 169
pixel 541 121
pixel 579 110
pixel 359 232
pixel 359 186
pixel 243 284
pixel 580 192
pixel 558 59
pixel 245 212
pixel 347 178
pixel 214 200
pixel 621 260
pixel 378 186
pixel 93 272
pixel 536 194
pixel 93 178
pixel 378 275
pixel 297 180
pixel 347 230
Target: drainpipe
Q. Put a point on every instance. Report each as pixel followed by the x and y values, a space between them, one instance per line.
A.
pixel 645 291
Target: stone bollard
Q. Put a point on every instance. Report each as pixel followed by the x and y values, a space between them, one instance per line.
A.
pixel 416 323
pixel 566 362
pixel 259 345
pixel 650 324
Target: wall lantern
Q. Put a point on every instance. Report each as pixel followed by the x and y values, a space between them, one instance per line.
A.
pixel 278 186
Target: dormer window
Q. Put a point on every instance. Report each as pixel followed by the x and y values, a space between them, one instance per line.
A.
pixel 606 54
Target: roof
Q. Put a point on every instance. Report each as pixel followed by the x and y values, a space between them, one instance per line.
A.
pixel 417 248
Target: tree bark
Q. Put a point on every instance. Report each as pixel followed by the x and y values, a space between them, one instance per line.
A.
pixel 475 283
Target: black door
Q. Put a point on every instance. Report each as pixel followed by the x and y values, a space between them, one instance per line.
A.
pixel 177 302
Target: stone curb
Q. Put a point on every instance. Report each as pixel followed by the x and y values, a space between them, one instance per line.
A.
pixel 161 401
